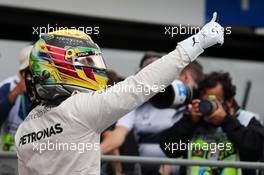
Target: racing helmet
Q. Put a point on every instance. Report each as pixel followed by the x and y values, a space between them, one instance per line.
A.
pixel 65 61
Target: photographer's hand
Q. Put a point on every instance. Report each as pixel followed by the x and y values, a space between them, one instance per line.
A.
pixel 196 115
pixel 218 116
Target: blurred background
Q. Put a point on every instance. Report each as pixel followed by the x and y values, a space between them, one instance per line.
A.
pixel 125 30
pixel 128 28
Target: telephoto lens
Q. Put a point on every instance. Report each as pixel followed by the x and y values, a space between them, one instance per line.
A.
pixel 174 96
pixel 207 107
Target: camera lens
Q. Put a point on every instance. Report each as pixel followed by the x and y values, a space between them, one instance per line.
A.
pixel 174 96
pixel 207 107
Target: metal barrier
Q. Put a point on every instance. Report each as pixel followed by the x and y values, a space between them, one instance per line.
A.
pixel 8 162
pixel 184 162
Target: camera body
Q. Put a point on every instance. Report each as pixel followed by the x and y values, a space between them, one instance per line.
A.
pixel 179 94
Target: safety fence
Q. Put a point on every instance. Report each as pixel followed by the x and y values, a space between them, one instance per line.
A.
pixel 8 162
pixel 183 162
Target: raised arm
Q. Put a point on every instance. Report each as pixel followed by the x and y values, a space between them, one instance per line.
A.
pixel 100 109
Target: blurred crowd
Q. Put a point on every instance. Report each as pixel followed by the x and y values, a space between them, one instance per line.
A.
pixel 165 126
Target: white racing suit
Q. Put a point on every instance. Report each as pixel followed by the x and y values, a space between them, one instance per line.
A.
pixel 64 140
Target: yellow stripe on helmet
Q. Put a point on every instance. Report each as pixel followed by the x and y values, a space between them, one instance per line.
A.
pixel 72 33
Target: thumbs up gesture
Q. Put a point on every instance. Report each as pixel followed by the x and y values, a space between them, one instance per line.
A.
pixel 211 34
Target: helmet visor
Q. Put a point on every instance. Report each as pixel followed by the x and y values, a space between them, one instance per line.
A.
pixel 95 61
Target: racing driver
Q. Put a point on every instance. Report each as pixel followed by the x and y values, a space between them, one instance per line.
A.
pixel 67 82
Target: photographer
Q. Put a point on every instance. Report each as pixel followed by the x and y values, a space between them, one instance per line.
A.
pixel 147 121
pixel 14 103
pixel 231 130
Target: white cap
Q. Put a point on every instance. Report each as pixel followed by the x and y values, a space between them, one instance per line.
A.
pixel 24 57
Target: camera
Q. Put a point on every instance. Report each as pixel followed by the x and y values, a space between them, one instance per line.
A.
pixel 179 94
pixel 175 95
pixel 207 107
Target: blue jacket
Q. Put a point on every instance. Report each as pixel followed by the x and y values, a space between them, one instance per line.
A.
pixel 11 115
